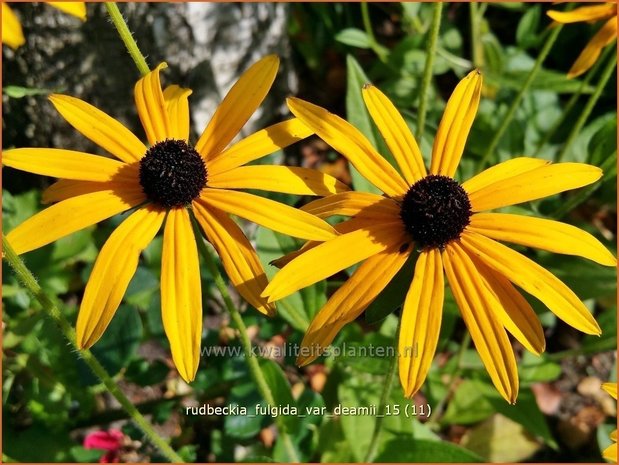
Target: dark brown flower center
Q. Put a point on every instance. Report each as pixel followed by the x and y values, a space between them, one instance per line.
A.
pixel 435 211
pixel 172 173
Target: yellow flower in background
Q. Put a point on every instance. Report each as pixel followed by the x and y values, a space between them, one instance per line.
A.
pixel 447 222
pixel 606 12
pixel 12 34
pixel 610 453
pixel 159 184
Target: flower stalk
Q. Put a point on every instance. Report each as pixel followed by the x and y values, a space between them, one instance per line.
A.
pixel 127 38
pixel 28 280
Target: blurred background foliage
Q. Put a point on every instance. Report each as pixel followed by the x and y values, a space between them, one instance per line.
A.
pixel 51 401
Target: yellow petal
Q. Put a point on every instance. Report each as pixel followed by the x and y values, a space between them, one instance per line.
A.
pixel 487 332
pixel 126 180
pixel 332 256
pixel 350 300
pixel 269 213
pixel 584 13
pixel 77 9
pixel 421 321
pixel 501 172
pixel 535 184
pixel 512 309
pixel 259 144
pixel 60 163
pixel 12 34
pixel 610 453
pixel 286 179
pixel 534 279
pixel 590 54
pixel 455 125
pixel 152 107
pixel 396 133
pixel 113 270
pixel 181 295
pixel 542 234
pixel 349 141
pixel 352 204
pixel 237 255
pixel 238 105
pixel 177 105
pixel 611 388
pixel 71 215
pixel 100 128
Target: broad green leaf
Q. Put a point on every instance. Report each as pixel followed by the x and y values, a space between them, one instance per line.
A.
pixel 424 451
pixel 354 37
pixel 526 33
pixel 468 405
pixel 280 388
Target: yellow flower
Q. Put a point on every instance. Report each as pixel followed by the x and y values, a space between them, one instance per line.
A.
pixel 610 453
pixel 446 222
pixel 159 183
pixel 12 34
pixel 608 32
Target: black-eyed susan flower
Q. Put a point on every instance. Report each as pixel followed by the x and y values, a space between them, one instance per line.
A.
pixel 610 453
pixel 606 12
pixel 160 183
pixel 448 223
pixel 12 34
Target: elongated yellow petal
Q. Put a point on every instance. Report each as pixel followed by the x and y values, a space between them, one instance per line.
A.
pixel 177 105
pixel 590 54
pixel 181 295
pixel 584 13
pixel 12 34
pixel 542 234
pixel 489 336
pixel 350 300
pixel 455 125
pixel 501 172
pixel 611 388
pixel 332 256
pixel 396 133
pixel 533 278
pixel 113 270
pixel 100 128
pixel 286 179
pixel 535 184
pixel 238 105
pixel 60 163
pixel 269 213
pixel 349 141
pixel 352 204
pixel 77 9
pixel 152 107
pixel 512 309
pixel 421 321
pixel 610 453
pixel 237 255
pixel 259 144
pixel 127 179
pixel 69 216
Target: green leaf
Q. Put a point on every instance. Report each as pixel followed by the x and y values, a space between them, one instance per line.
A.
pixel 526 33
pixel 21 92
pixel 280 388
pixel 83 455
pixel 354 37
pixel 244 426
pixel 468 405
pixel 534 369
pixel 424 451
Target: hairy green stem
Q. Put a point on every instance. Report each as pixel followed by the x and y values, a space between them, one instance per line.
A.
pixel 427 72
pixel 252 360
pixel 611 66
pixel 477 51
pixel 384 399
pixel 380 51
pixel 127 37
pixel 552 37
pixel 28 280
pixel 573 99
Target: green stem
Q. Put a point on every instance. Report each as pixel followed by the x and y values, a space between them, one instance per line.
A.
pixel 127 37
pixel 28 280
pixel 476 45
pixel 427 72
pixel 380 51
pixel 611 66
pixel 252 360
pixel 384 399
pixel 516 102
pixel 573 99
